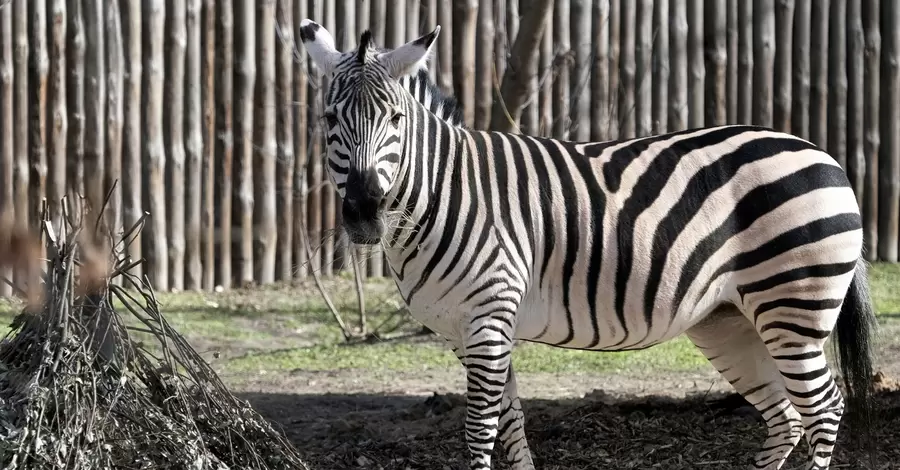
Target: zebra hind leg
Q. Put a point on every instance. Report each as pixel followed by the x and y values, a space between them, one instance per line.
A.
pixel 733 347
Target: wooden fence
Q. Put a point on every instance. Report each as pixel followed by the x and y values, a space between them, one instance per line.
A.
pixel 206 112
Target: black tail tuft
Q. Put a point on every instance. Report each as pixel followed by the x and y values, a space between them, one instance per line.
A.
pixel 854 349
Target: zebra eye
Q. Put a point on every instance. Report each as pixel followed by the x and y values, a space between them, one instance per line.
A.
pixel 395 119
pixel 331 120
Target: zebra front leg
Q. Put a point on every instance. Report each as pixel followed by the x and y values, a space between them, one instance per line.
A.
pixel 512 420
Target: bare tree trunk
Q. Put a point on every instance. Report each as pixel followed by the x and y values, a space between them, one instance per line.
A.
pixel 284 51
pixel 58 114
pixel 678 87
pixel 7 141
pixel 264 139
pixel 225 136
pixel 115 83
pixel 545 97
pixel 208 84
pixel 173 120
pixel 856 159
pixel 837 82
pixel 600 103
pixel 516 87
pixel 581 39
pixel 784 25
pixel 871 123
pixel 20 110
pixel 75 98
pixel 193 146
pixel 615 91
pixel 40 67
pixel 445 46
pixel 732 61
pixel 696 65
pixel 465 17
pixel 800 62
pixel 132 167
pixel 763 61
pixel 156 250
pixel 818 71
pixel 716 89
pixel 301 131
pixel 95 104
pixel 643 51
pixel 745 62
pixel 484 65
pixel 660 67
pixel 627 66
pixel 245 80
pixel 889 168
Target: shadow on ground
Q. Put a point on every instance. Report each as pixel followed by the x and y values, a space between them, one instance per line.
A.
pixel 596 432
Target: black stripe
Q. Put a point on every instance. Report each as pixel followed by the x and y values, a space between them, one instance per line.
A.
pixel 796 274
pixel 812 305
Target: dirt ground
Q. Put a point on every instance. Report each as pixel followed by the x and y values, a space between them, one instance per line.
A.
pixel 677 421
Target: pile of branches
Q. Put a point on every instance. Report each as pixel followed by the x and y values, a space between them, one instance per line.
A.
pixel 92 375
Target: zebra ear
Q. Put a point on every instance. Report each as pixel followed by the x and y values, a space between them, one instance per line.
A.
pixel 410 57
pixel 320 45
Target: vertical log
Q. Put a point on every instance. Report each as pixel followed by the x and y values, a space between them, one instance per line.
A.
pixel 300 133
pixel 600 102
pixel 800 62
pixel 445 45
pixel 763 60
pixel 315 153
pixel 502 38
pixel 363 10
pixel 132 108
pixel 818 71
pixel 244 82
pixel 465 16
pixel 660 66
pixel 377 20
pixel 837 82
pixel 266 147
pixel 871 123
pixel 115 83
pixel 745 62
pixel 7 144
pixel 395 31
pixel 413 21
pixel 75 93
pixel 561 82
pixel 889 159
pixel 696 65
pixel 528 119
pixel 346 30
pixel 484 65
pixel 21 109
pixel 429 21
pixel 94 104
pixel 173 122
pixel 643 52
pixel 581 40
pixel 58 114
pixel 208 80
pixel 40 68
pixel 856 159
pixel 784 34
pixel 156 241
pixel 284 50
pixel 627 66
pixel 545 96
pixel 678 87
pixel 731 65
pixel 225 136
pixel 716 62
pixel 615 91
pixel 331 232
pixel 192 122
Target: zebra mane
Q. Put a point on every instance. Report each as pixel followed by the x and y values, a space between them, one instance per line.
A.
pixel 443 105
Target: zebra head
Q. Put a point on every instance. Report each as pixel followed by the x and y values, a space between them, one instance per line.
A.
pixel 366 125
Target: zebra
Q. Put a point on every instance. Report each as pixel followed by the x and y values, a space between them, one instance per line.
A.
pixel 745 239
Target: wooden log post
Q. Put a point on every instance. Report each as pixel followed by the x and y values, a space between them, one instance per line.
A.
pixel 208 102
pixel 225 138
pixel 660 66
pixel 156 239
pixel 580 76
pixel 484 64
pixel 801 63
pixel 837 82
pixel 818 72
pixel 21 110
pixel 615 41
pixel 763 60
pixel 284 119
pixel 889 159
pixel 173 122
pixel 871 123
pixel 643 76
pixel 784 35
pixel 731 66
pixel 58 125
pixel 545 94
pixel 95 108
pixel 132 108
pixel 678 86
pixel 301 133
pixel 503 39
pixel 445 46
pixel 315 157
pixel 265 147
pixel 192 125
pixel 626 118
pixel 856 158
pixel 7 142
pixel 716 62
pixel 745 62
pixel 75 98
pixel 465 17
pixel 115 89
pixel 600 98
pixel 245 80
pixel 696 65
pixel 331 230
pixel 40 70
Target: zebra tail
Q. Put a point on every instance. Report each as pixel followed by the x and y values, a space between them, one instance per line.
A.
pixel 854 348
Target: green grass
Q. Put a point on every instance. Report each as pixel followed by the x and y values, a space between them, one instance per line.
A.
pixel 282 328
